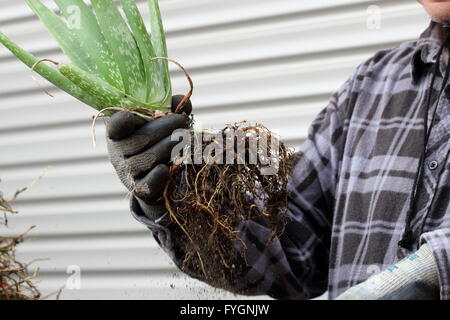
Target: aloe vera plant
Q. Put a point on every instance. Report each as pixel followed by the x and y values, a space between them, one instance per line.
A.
pixel 112 56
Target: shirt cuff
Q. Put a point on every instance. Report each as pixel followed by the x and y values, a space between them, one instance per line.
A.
pixel 158 227
pixel 439 241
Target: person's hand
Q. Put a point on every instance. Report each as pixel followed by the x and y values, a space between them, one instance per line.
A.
pixel 141 156
pixel 413 278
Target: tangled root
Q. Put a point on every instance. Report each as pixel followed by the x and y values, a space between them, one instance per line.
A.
pixel 208 202
pixel 16 283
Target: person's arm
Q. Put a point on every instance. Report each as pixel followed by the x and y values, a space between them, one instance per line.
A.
pixel 292 267
pixel 424 275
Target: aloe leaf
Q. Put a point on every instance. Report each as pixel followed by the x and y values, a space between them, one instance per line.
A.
pixel 159 44
pixel 51 74
pixel 155 82
pixel 106 93
pixel 123 46
pixel 63 35
pixel 89 35
pixel 103 91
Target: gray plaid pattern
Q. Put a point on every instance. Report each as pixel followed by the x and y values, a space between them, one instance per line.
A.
pixel 350 191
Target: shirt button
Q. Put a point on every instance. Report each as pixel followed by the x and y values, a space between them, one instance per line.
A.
pixel 433 165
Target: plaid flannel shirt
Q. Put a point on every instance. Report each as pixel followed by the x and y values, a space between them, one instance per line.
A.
pixel 350 191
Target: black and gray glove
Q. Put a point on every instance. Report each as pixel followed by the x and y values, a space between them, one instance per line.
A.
pixel 141 155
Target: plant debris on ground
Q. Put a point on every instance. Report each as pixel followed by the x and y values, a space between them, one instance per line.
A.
pixel 16 281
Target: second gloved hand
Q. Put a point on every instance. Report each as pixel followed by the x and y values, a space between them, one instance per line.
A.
pixel 141 156
pixel 413 278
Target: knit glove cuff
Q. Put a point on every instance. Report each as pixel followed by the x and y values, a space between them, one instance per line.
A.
pixel 415 277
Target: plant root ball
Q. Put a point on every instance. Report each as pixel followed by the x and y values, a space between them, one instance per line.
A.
pixel 209 202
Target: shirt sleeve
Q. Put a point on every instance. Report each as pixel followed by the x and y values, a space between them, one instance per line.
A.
pixel 295 266
pixel 439 240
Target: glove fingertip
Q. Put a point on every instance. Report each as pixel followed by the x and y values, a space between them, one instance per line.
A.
pixel 121 125
pixel 160 172
pixel 156 179
pixel 187 108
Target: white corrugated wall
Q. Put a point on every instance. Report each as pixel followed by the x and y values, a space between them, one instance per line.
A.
pixel 274 62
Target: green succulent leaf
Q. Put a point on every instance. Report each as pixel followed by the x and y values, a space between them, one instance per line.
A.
pixel 155 83
pixel 87 31
pixel 160 46
pixel 123 46
pixel 63 35
pixel 103 91
pixel 111 59
pixel 51 74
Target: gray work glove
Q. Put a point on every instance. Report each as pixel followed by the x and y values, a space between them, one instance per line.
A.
pixel 141 155
pixel 414 278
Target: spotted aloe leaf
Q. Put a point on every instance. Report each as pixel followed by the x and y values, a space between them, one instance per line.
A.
pixel 51 74
pixel 106 93
pixel 85 28
pixel 112 61
pixel 63 35
pixel 160 46
pixel 123 46
pixel 155 84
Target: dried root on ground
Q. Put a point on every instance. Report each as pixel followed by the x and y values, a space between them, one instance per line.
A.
pixel 16 281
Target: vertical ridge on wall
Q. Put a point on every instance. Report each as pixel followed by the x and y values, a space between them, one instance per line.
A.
pixel 274 62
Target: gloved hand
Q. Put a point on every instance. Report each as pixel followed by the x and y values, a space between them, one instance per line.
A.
pixel 141 156
pixel 414 278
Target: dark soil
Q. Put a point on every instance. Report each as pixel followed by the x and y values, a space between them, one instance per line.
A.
pixel 208 203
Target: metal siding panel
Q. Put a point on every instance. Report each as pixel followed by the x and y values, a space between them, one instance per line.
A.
pixel 274 62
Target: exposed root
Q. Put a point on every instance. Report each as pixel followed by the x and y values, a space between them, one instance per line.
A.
pixel 188 77
pixel 36 80
pixel 209 202
pixel 16 281
pixel 175 218
pixel 140 113
pixel 5 204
